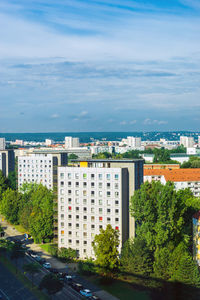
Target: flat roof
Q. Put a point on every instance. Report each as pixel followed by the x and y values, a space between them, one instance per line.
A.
pixel 125 160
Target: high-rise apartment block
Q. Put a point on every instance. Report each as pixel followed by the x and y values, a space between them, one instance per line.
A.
pixel 71 142
pixel 7 161
pixel 40 167
pixel 134 142
pixel 2 144
pixel 92 195
pixel 187 141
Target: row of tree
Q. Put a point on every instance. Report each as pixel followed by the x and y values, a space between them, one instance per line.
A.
pixel 162 247
pixel 32 207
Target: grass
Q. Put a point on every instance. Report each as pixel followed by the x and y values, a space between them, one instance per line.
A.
pixel 24 280
pixel 120 289
pixel 46 247
pixel 20 228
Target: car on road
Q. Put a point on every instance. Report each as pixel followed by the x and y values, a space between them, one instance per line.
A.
pixel 94 298
pixel 76 286
pixel 68 278
pixel 86 293
pixel 42 261
pixel 47 265
pixel 54 271
pixel 37 258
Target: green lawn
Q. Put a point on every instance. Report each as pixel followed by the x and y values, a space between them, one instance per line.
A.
pixel 121 290
pixel 20 228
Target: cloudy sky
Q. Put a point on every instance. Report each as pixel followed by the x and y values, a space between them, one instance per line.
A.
pixel 99 65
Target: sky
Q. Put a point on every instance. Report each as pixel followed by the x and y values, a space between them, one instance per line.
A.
pixel 99 65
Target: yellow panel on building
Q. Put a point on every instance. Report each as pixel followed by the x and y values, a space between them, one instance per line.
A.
pixel 83 164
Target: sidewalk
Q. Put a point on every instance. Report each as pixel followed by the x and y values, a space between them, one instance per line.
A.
pixel 55 263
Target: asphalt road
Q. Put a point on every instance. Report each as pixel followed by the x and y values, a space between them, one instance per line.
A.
pixel 11 288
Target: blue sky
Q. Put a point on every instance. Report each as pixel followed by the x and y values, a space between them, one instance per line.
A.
pixel 99 65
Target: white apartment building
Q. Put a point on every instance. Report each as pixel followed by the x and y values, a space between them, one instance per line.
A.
pixel 2 144
pixel 187 141
pixel 7 161
pixel 133 142
pixel 71 142
pixel 48 142
pixel 40 168
pixel 92 196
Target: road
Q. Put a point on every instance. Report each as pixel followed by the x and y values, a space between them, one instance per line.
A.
pixel 67 292
pixel 11 288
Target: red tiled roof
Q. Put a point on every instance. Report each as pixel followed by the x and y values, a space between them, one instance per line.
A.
pixel 176 175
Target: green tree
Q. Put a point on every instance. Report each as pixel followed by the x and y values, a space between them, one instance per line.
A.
pixel 72 156
pixel 136 258
pixel 41 217
pixel 32 269
pixel 51 283
pixel 67 254
pixel 12 180
pixel 9 205
pixel 105 247
pixel 3 184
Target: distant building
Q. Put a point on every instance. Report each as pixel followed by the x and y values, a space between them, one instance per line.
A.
pixel 134 142
pixel 187 141
pixel 71 142
pixel 7 161
pixel 91 196
pixel 161 166
pixel 48 142
pixel 182 178
pixel 2 144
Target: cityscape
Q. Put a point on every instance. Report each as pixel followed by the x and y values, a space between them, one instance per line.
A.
pixel 99 150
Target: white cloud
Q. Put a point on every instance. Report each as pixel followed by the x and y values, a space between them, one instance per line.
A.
pixel 123 123
pixel 54 116
pixel 154 122
pixel 132 122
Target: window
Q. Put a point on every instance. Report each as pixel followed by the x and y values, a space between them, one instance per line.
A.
pixel 62 192
pixel 69 241
pixel 116 176
pixel 108 185
pixel 116 227
pixel 108 202
pixel 92 193
pixel 77 201
pixel 108 176
pixel 62 208
pixel 84 193
pixel 92 235
pixel 77 208
pixel 69 216
pixel 69 192
pixel 69 233
pixel 100 193
pixel 69 183
pixel 62 241
pixel 92 184
pixel 77 234
pixel 84 176
pixel 92 209
pixel 84 209
pixel 92 219
pixel 77 192
pixel 69 208
pixel 100 219
pixel 77 242
pixel 100 185
pixel 62 232
pixel 84 217
pixel 116 220
pixel 92 176
pixel 100 201
pixel 108 210
pixel 76 175
pixel 93 226
pixel 62 216
pixel 62 200
pixel 77 217
pixel 108 194
pixel 92 201
pixel 69 175
pixel 62 183
pixel 100 176
pixel 77 184
pixel 116 211
pixel 85 226
pixel 62 224
pixel 116 202
pixel 77 225
pixel 116 185
pixel 85 242
pixel 100 227
pixel 84 184
pixel 108 220
pixel 100 210
pixel 69 225
pixel 85 234
pixel 84 201
pixel 116 194
pixel 69 200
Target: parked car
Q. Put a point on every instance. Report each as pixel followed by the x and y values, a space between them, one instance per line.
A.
pixel 37 258
pixel 77 286
pixel 68 278
pixel 54 271
pixel 42 261
pixel 47 265
pixel 86 293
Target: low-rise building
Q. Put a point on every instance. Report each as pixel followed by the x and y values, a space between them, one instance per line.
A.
pixel 182 178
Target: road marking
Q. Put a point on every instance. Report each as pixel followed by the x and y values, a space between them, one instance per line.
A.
pixel 5 295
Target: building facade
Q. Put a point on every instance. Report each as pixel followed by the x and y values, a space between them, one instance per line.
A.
pixel 91 196
pixel 7 161
pixel 71 142
pixel 2 144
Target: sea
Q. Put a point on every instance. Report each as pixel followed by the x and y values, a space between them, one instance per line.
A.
pixel 86 137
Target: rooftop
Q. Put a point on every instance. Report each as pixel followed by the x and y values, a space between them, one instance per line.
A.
pixel 125 160
pixel 176 175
